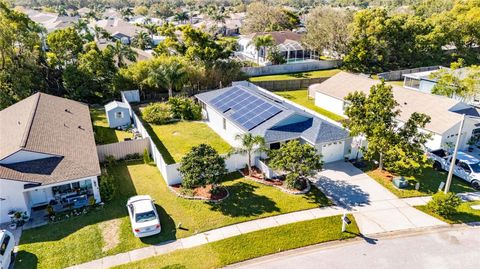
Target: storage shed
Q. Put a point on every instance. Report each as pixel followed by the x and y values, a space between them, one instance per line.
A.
pixel 118 114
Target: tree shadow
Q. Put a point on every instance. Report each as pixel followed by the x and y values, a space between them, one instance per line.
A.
pixel 243 202
pixel 316 196
pixel 369 240
pixel 344 194
pixel 25 259
pixel 287 95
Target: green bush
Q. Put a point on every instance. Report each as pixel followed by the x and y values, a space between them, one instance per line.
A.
pixel 184 108
pixel 108 188
pixel 110 161
pixel 444 204
pixel 157 113
pixel 146 157
pixel 292 181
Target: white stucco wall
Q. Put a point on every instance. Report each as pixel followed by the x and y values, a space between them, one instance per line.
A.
pixel 24 156
pixel 11 197
pixel 215 121
pixel 329 103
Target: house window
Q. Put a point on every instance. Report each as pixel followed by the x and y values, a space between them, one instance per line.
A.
pixel 224 124
pixel 119 115
pixel 275 145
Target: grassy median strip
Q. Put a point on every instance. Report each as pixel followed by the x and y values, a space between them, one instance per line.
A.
pixel 252 245
pixel 465 214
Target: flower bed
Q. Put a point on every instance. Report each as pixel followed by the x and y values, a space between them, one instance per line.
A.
pixel 258 176
pixel 201 193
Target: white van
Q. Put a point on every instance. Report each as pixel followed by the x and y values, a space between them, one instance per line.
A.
pixel 7 243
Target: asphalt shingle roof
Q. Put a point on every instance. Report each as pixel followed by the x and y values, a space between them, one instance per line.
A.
pixel 50 125
pixel 306 126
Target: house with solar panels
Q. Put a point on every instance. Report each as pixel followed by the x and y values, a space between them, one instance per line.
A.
pixel 246 108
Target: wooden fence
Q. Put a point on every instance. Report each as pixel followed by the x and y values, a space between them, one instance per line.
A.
pixel 287 85
pixel 121 149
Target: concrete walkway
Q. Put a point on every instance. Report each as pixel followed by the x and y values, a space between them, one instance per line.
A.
pixel 376 209
pixel 211 236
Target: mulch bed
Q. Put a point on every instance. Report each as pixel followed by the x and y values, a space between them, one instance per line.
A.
pixel 258 176
pixel 201 193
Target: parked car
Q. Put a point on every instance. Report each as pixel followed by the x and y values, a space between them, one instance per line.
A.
pixel 143 216
pixel 7 243
pixel 467 167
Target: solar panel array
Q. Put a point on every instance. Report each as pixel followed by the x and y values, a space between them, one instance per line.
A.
pixel 247 109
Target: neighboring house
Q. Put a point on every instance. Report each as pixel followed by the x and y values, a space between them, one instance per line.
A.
pixel 445 113
pixel 47 155
pixel 51 21
pixel 120 29
pixel 426 81
pixel 230 27
pixel 287 42
pixel 118 114
pixel 245 108
pixel 142 55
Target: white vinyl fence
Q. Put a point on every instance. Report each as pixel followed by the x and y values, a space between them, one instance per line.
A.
pixel 121 149
pixel 291 67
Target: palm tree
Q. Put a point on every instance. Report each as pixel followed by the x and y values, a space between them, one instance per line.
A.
pixel 182 17
pixel 174 75
pixel 99 32
pixel 152 29
pixel 142 40
pixel 122 52
pixel 263 42
pixel 250 144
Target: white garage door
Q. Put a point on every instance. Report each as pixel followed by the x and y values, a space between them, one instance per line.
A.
pixel 333 151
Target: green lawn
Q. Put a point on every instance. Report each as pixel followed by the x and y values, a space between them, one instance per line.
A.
pixel 465 213
pixel 311 74
pixel 104 134
pixel 429 182
pixel 252 245
pixel 83 237
pixel 301 97
pixel 174 140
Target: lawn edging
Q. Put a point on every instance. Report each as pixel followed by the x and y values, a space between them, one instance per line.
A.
pixel 293 192
pixel 189 197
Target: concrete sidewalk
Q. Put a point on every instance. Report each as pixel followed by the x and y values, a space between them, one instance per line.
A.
pixel 376 209
pixel 211 236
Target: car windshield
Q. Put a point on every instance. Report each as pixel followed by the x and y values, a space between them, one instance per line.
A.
pixel 475 167
pixel 145 216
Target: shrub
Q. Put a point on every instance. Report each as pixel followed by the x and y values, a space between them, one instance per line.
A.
pixel 444 204
pixel 201 166
pixel 184 108
pixel 157 113
pixel 132 156
pixel 108 189
pixel 110 161
pixel 146 157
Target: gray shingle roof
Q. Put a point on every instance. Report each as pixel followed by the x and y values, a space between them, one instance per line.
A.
pixel 306 126
pixel 51 125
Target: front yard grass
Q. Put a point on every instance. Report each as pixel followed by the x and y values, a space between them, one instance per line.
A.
pixel 429 180
pixel 103 133
pixel 290 76
pixel 80 239
pixel 301 97
pixel 175 139
pixel 252 245
pixel 465 213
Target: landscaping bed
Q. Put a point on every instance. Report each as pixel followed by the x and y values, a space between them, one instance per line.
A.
pixel 251 245
pixel 201 193
pixel 258 176
pixel 87 237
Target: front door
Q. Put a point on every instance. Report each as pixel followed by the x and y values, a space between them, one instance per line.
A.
pixel 38 197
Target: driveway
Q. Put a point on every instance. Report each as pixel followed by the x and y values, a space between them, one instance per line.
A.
pixel 375 208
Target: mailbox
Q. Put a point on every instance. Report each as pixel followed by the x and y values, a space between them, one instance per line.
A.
pixel 346 220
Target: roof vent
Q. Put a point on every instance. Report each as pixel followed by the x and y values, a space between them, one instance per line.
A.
pixel 80 127
pixel 68 111
pixel 19 123
pixel 405 103
pixel 65 125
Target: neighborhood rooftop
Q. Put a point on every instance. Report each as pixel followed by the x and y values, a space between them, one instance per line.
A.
pixel 262 113
pixel 57 128
pixel 444 112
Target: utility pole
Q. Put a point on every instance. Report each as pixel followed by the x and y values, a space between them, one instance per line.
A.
pixel 454 156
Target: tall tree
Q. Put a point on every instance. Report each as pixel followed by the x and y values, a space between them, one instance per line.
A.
pixel 299 160
pixel 249 145
pixel 265 18
pixel 262 43
pixel 64 47
pixel 327 30
pixel 458 81
pixel 142 40
pixel 122 52
pixel 172 75
pixel 374 117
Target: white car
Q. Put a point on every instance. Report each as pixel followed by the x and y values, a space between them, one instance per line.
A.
pixel 143 216
pixel 7 242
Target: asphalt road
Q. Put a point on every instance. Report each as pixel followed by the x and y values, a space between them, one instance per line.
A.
pixel 445 248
